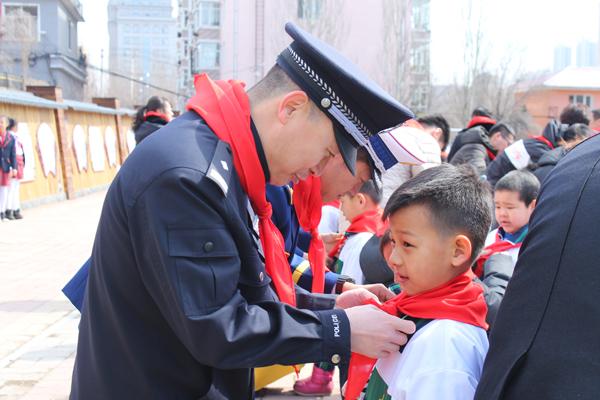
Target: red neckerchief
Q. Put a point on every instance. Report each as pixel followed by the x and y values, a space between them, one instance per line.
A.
pixel 158 114
pixel 459 300
pixel 498 246
pixel 225 107
pixel 490 154
pixel 370 221
pixel 480 120
pixel 334 203
pixel 544 140
pixel 308 203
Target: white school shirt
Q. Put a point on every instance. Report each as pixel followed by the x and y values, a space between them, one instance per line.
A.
pixel 443 360
pixel 491 238
pixel 330 219
pixel 350 256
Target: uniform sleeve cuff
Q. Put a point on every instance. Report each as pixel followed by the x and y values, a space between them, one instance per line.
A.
pixel 336 335
pixel 330 281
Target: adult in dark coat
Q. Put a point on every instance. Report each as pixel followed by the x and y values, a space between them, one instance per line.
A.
pixel 570 138
pixel 154 115
pixel 544 344
pixel 527 152
pixel 179 303
pixel 475 149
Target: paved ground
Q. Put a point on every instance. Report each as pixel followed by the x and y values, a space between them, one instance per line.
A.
pixel 38 326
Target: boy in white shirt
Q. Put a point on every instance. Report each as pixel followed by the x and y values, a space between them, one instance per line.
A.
pixel 364 214
pixel 438 222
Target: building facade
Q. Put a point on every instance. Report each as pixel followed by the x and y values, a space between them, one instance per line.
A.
pixel 143 46
pixel 38 43
pixel 388 39
pixel 572 85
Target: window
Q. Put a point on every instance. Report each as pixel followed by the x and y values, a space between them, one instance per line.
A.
pixel 420 15
pixel 22 21
pixel 209 15
pixel 207 55
pixel 419 59
pixel 309 9
pixel 580 99
pixel 71 34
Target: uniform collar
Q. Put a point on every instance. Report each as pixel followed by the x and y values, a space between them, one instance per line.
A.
pixel 261 151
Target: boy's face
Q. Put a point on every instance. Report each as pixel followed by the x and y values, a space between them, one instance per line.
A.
pixel 511 212
pixel 352 206
pixel 421 258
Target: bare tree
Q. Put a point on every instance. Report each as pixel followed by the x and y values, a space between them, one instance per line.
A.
pixel 501 88
pixel 397 48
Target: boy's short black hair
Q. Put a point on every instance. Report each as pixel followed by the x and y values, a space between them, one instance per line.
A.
pixel 439 121
pixel 371 190
pixel 523 182
pixel 577 131
pixel 456 198
pixel 572 115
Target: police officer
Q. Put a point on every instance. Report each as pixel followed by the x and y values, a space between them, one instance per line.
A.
pixel 189 287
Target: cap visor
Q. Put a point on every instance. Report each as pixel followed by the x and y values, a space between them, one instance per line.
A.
pixel 347 147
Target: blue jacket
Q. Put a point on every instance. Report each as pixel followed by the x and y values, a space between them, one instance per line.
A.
pixel 178 304
pixel 296 239
pixel 8 153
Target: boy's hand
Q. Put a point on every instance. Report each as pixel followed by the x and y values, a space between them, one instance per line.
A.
pixel 375 333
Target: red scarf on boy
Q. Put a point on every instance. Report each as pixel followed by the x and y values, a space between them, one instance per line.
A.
pixel 498 246
pixel 308 203
pixel 225 107
pixel 459 300
pixel 370 221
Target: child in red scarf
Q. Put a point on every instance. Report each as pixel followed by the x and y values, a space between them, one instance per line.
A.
pixel 363 211
pixel 438 222
pixel 514 200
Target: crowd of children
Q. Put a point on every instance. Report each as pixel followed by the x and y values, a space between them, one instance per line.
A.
pixel 452 257
pixel 12 163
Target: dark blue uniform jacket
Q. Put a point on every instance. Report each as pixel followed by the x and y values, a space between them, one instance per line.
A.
pixel 545 341
pixel 178 304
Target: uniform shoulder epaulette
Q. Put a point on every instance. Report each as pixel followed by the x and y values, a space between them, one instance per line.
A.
pixel 221 166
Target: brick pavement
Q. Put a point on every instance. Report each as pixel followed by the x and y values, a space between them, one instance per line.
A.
pixel 38 326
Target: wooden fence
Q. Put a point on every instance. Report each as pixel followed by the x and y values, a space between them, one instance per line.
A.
pixel 71 147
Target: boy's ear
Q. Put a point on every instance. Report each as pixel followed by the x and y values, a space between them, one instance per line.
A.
pixel 532 204
pixel 362 199
pixel 462 251
pixel 290 103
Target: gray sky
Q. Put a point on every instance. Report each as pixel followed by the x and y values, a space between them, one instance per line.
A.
pixel 524 31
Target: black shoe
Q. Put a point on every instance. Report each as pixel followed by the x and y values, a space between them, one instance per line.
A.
pixel 17 214
pixel 9 214
pixel 1 216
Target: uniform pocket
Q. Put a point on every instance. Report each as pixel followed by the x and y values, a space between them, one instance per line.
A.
pixel 207 268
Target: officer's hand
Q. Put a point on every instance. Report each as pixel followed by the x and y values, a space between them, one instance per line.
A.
pixel 379 290
pixel 375 333
pixel 330 240
pixel 354 297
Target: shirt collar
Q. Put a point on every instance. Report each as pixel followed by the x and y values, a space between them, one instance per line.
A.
pixel 261 151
